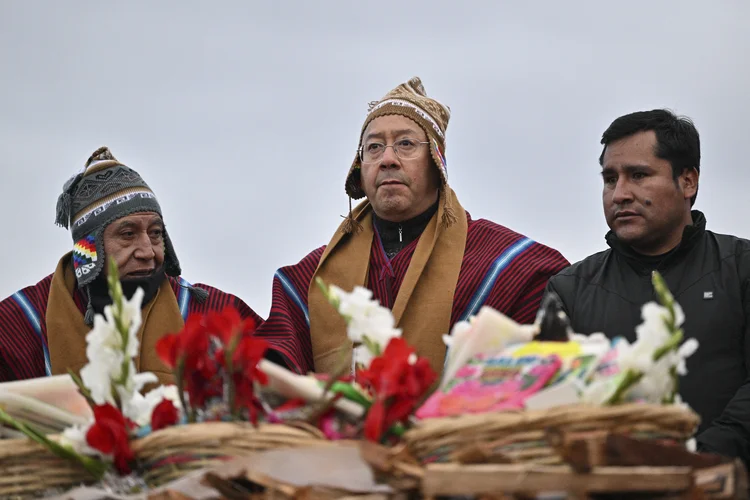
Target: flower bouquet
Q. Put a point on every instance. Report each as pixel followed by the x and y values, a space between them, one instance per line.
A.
pixel 227 401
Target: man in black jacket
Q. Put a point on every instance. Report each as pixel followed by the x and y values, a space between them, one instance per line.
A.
pixel 650 168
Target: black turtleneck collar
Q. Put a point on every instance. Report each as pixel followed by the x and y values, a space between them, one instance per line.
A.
pixel 99 292
pixel 396 235
pixel 646 263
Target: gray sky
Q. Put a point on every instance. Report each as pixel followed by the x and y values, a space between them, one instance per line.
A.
pixel 244 116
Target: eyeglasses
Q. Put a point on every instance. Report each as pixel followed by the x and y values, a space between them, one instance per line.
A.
pixel 406 149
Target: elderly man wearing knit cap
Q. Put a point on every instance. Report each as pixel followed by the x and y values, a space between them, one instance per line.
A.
pixel 410 242
pixel 111 213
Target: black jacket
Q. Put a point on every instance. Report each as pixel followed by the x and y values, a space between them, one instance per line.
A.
pixel 709 275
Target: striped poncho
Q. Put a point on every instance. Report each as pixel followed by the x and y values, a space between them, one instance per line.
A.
pixel 24 351
pixel 500 268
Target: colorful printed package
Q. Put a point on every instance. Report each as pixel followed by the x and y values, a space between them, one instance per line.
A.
pixel 504 381
pixel 495 382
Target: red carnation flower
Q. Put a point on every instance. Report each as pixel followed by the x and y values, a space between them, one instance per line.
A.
pixel 398 385
pixel 245 372
pixel 228 325
pixel 109 434
pixel 164 415
pixel 187 352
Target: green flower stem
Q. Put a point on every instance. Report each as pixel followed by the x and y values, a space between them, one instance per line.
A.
pixel 82 388
pixel 350 393
pixel 666 299
pixel 95 467
pixel 231 389
pixel 330 296
pixel 628 380
pixel 371 345
pixel 674 341
pixel 179 372
pixel 343 367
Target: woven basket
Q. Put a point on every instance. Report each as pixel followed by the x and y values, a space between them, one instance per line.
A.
pixel 27 468
pixel 522 436
pixel 173 452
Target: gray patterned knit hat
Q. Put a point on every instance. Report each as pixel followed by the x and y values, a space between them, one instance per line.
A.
pixel 105 190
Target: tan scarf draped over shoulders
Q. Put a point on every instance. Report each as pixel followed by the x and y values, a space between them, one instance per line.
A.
pixel 424 303
pixel 66 329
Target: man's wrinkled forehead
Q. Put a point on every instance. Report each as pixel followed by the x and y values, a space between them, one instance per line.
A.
pixel 138 220
pixel 392 126
pixel 145 218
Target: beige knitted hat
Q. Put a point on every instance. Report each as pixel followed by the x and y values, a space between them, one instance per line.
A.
pixel 410 100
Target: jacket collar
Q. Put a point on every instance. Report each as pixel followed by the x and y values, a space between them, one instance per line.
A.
pixel 645 263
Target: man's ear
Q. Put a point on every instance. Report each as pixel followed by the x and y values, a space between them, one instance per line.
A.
pixel 689 182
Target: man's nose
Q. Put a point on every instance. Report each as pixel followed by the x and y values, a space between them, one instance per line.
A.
pixel 144 248
pixel 622 192
pixel 390 159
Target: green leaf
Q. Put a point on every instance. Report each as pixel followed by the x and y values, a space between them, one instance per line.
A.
pixel 350 393
pixel 627 380
pixel 82 388
pixel 371 345
pixel 671 345
pixel 330 296
pixel 95 467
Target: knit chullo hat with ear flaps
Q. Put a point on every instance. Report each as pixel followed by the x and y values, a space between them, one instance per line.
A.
pixel 103 191
pixel 410 100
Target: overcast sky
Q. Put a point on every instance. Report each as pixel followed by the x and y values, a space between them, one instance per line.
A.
pixel 244 116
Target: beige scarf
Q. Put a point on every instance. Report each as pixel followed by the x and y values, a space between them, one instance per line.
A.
pixel 66 330
pixel 425 300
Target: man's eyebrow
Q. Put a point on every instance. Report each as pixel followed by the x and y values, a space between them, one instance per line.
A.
pixel 125 223
pixel 375 135
pixel 628 169
pixel 156 220
pixel 403 131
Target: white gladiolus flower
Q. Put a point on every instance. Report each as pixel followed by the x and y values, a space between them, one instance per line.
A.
pixel 133 403
pixel 657 382
pixel 75 438
pixel 106 353
pixel 361 356
pixel 365 318
pixel 654 327
pixel 130 315
pixel 685 351
pixel 141 407
pixel 597 392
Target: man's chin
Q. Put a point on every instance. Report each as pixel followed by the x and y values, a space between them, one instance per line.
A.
pixel 392 208
pixel 630 235
pixel 393 215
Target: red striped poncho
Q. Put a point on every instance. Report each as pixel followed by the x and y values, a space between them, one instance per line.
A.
pixel 23 330
pixel 501 269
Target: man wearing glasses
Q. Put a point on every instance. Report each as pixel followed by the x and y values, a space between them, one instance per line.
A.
pixel 410 242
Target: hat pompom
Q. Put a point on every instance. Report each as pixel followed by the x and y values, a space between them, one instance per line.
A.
pixel 65 202
pixel 101 154
pixel 415 84
pixel 62 215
